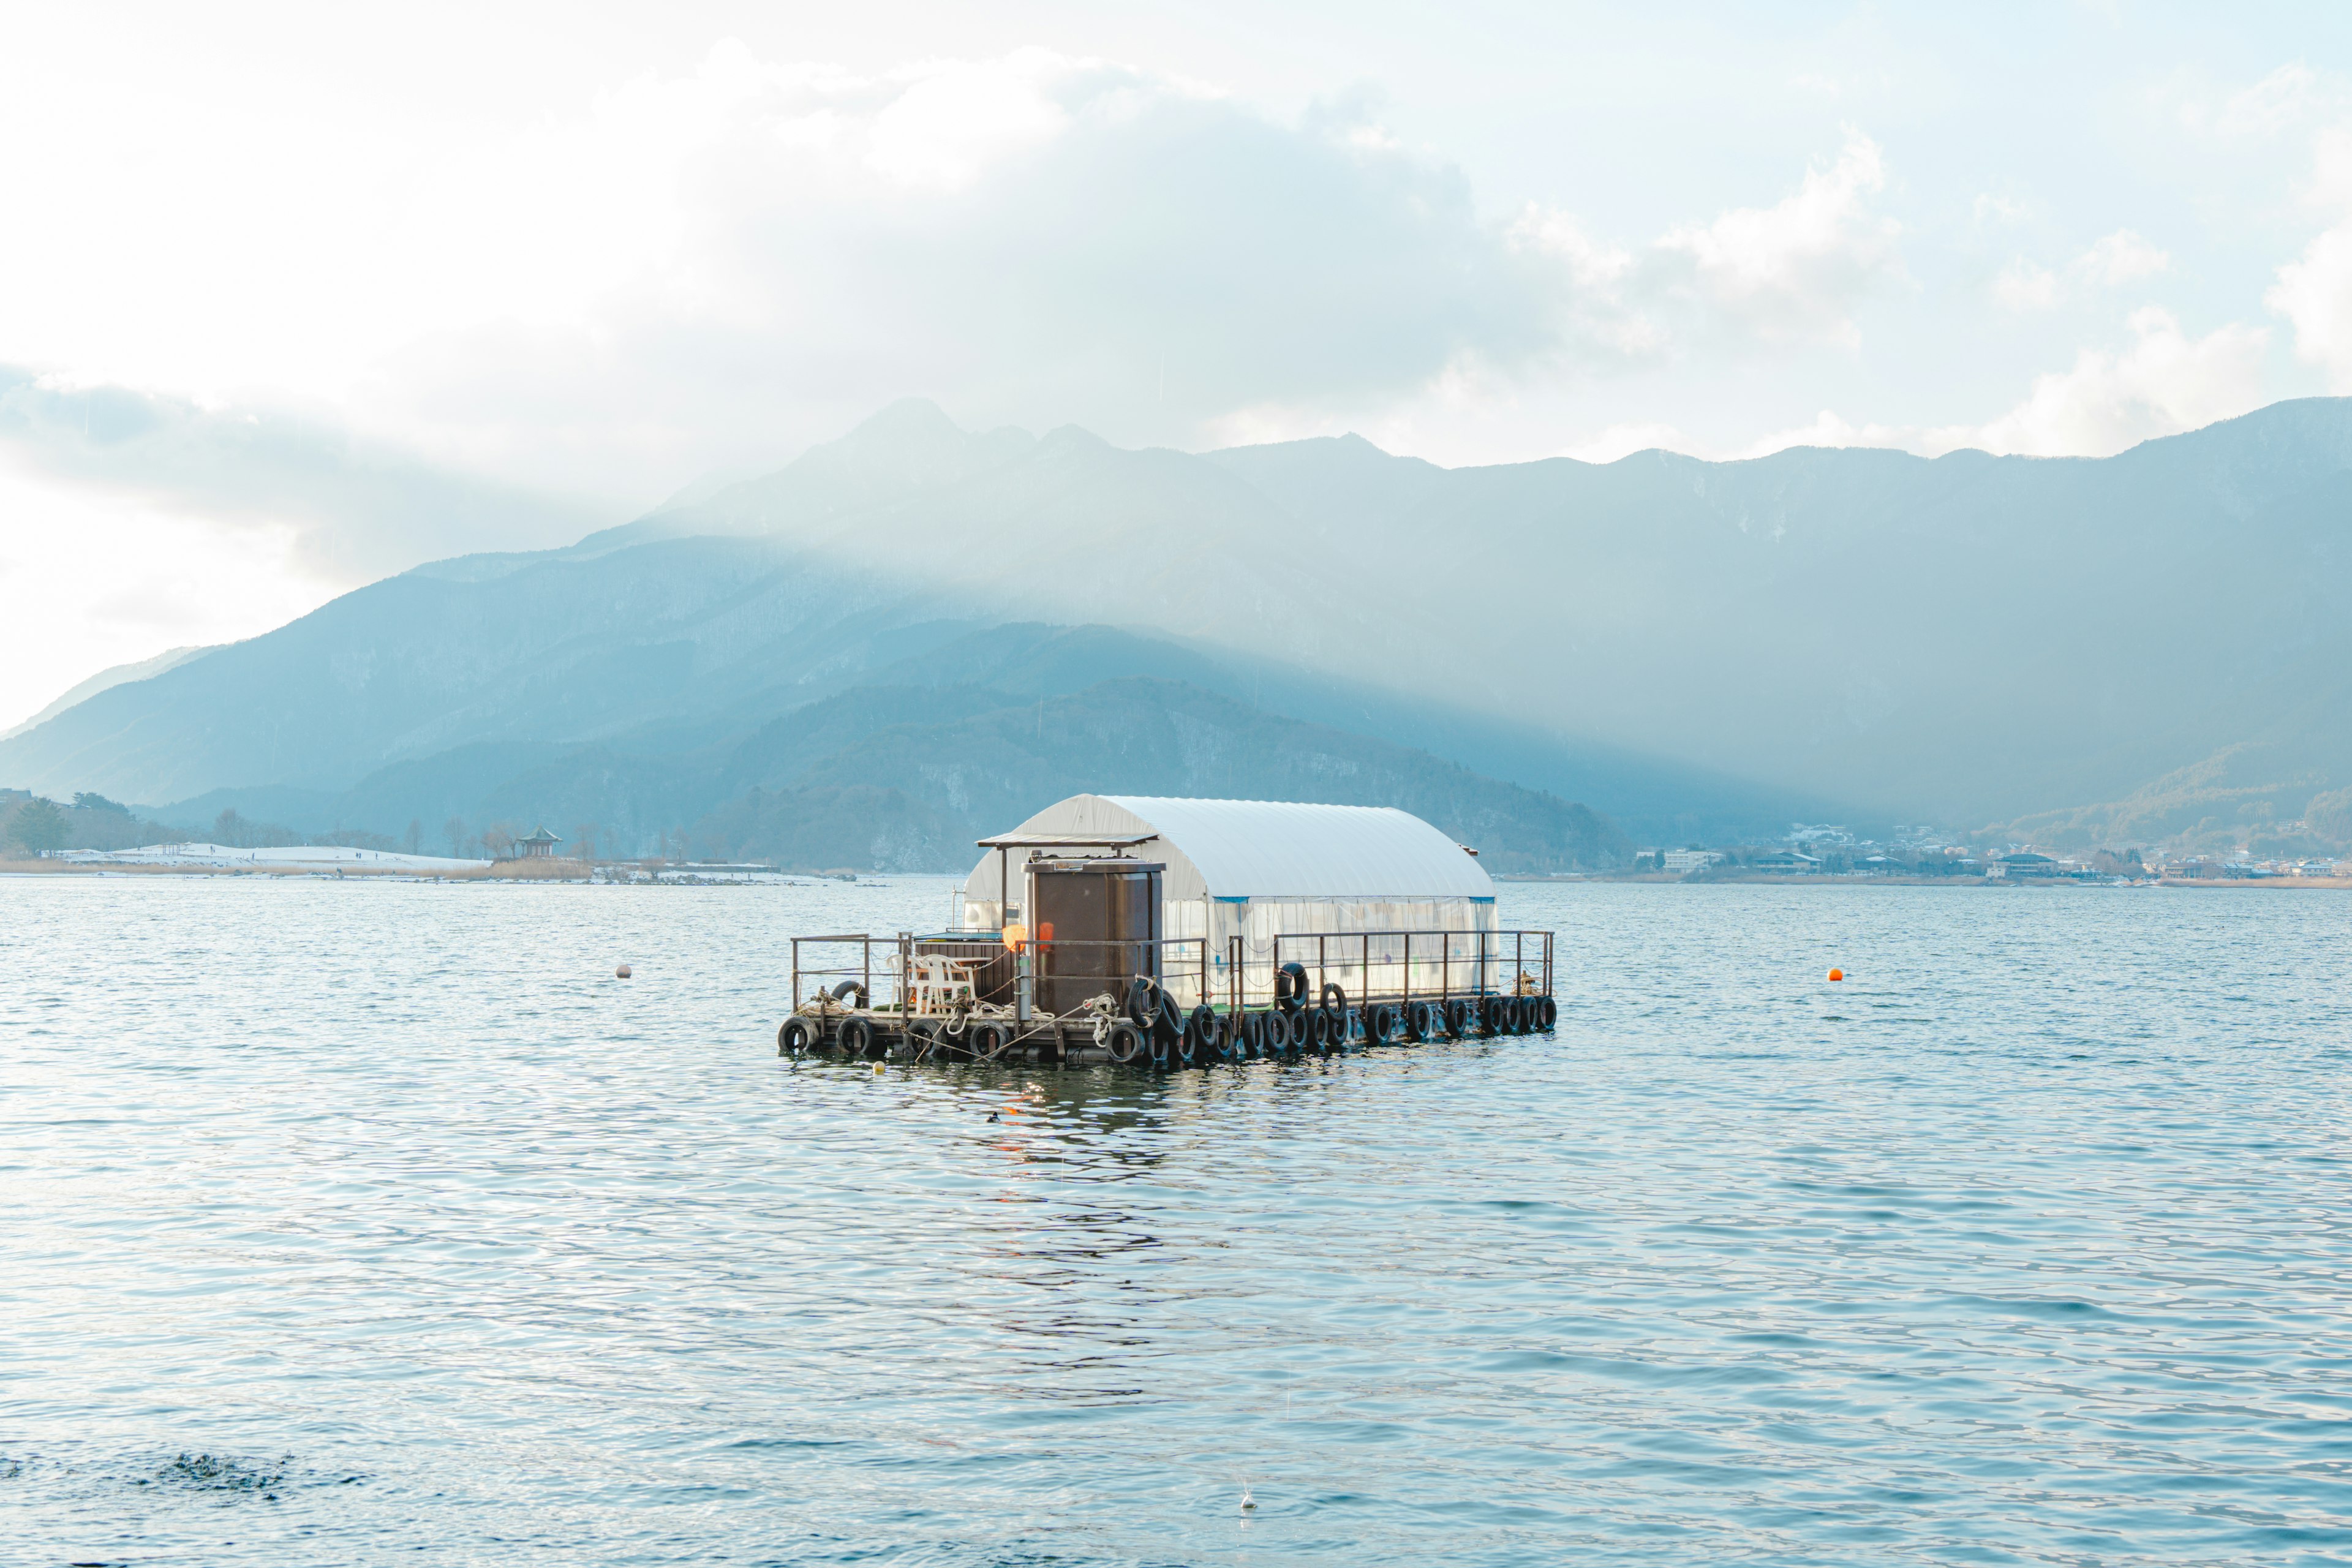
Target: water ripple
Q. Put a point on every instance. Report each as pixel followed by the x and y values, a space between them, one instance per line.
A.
pixel 344 1223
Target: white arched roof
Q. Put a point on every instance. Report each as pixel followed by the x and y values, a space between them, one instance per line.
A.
pixel 1262 849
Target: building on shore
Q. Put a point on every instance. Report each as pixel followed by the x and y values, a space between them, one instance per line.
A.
pixel 2025 863
pixel 1685 861
pixel 1784 860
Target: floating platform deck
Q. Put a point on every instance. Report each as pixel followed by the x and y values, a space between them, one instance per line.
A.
pixel 1159 1004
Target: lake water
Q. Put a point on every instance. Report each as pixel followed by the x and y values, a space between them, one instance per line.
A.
pixel 371 1224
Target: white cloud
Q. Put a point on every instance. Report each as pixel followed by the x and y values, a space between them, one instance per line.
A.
pixel 2290 96
pixel 2314 292
pixel 1622 440
pixel 2122 256
pixel 2165 383
pixel 1800 267
pixel 1828 429
pixel 343 509
pixel 2022 287
pixel 1790 272
pixel 96 578
pixel 1990 208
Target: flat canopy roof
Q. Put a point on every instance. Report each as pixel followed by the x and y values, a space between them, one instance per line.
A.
pixel 1060 841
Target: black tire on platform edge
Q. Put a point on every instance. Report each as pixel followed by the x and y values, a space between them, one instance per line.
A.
pixel 1273 1032
pixel 1290 987
pixel 987 1039
pixel 1200 1026
pixel 1547 1014
pixel 795 1038
pixel 1457 1018
pixel 1125 1042
pixel 1170 1023
pixel 857 1037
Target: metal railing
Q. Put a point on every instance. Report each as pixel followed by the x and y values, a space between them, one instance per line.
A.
pixel 1396 965
pixel 880 969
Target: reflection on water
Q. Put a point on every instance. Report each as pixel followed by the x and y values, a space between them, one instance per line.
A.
pixel 350 1224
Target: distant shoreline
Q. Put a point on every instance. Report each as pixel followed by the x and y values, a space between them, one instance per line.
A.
pixel 1834 880
pixel 573 872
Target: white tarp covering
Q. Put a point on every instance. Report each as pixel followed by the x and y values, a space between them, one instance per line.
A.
pixel 1256 869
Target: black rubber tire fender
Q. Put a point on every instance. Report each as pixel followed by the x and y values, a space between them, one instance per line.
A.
pixel 1167 1025
pixel 1380 1024
pixel 1490 1014
pixel 1141 1010
pixel 1333 1004
pixel 1273 1034
pixel 1208 1042
pixel 858 1038
pixel 1547 1014
pixel 1290 987
pixel 847 989
pixel 987 1039
pixel 1125 1042
pixel 797 1037
pixel 1457 1018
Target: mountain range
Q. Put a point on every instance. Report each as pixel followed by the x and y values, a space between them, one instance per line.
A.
pixel 917 633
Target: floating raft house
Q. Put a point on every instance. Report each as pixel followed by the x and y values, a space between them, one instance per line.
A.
pixel 1131 928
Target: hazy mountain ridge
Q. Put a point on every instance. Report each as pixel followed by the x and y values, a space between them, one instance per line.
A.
pixel 1707 649
pixel 955 761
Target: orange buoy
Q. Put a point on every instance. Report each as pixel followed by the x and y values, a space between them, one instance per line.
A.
pixel 1837 975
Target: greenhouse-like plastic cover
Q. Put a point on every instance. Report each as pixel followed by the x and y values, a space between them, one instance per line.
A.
pixel 1258 869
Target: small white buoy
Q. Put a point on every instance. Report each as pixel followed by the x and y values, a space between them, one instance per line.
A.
pixel 1249 1503
pixel 621 972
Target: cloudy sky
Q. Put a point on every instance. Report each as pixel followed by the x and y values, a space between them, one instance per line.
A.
pixel 290 299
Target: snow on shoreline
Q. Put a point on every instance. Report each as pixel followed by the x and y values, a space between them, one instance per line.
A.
pixel 292 858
